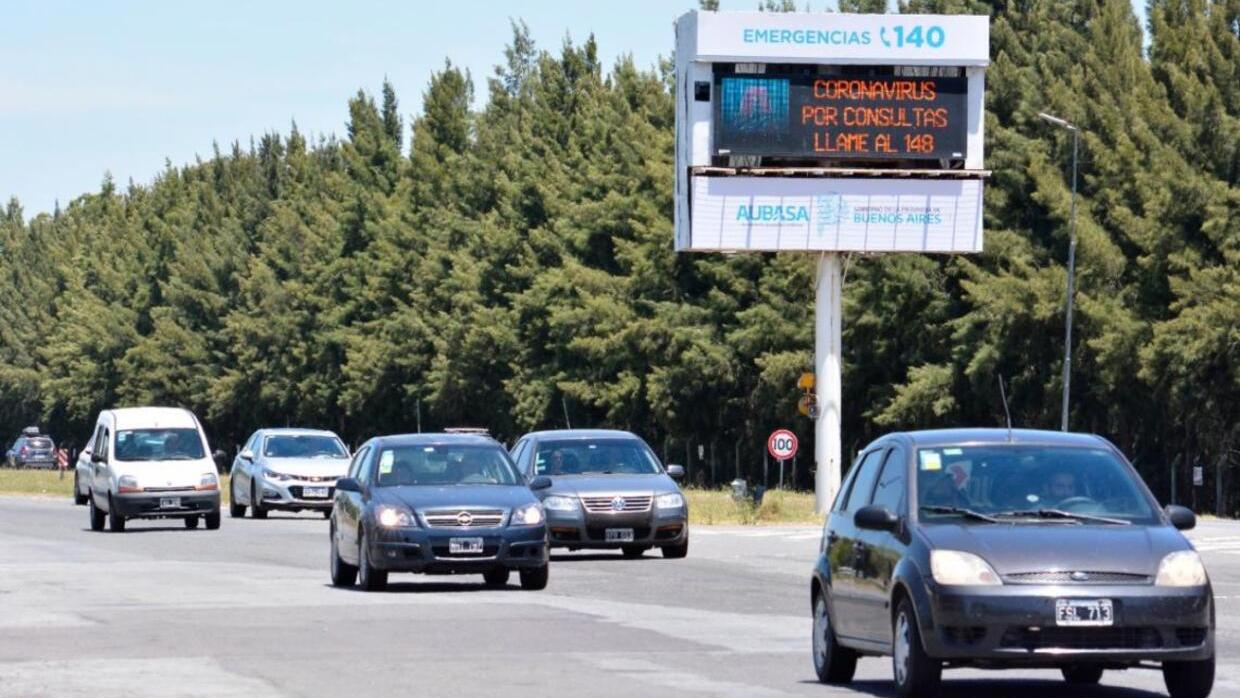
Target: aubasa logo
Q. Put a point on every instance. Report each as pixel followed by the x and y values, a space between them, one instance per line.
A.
pixel 769 213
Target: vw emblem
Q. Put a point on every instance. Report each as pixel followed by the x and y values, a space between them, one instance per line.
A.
pixel 464 518
pixel 617 504
pixel 1079 576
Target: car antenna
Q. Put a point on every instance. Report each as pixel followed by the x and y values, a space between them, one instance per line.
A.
pixel 1006 413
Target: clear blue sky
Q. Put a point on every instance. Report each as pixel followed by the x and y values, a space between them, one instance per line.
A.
pixel 89 87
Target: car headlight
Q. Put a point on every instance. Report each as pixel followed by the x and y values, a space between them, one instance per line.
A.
pixel 208 481
pixel 127 483
pixel 528 515
pixel 557 502
pixel 955 568
pixel 273 475
pixel 669 501
pixel 395 517
pixel 1181 569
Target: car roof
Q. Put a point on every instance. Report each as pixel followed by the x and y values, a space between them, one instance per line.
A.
pixel 153 418
pixel 930 438
pixel 296 431
pixel 582 434
pixel 436 439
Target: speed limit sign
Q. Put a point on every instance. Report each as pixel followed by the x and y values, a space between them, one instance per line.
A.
pixel 782 444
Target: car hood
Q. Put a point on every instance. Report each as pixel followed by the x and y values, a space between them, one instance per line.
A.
pixel 1016 548
pixel 313 467
pixel 422 497
pixel 609 484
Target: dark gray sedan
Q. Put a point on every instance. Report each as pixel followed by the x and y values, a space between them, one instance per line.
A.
pixel 608 490
pixel 998 548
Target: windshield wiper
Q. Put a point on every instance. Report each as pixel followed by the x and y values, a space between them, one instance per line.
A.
pixel 962 511
pixel 1061 514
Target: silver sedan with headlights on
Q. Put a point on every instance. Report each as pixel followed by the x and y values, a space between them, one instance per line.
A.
pixel 288 470
pixel 608 490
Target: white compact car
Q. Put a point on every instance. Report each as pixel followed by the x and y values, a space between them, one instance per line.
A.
pixel 150 463
pixel 289 470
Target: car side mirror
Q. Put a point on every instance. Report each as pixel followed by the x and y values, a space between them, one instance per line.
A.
pixel 247 454
pixel 1182 518
pixel 98 458
pixel 876 518
pixel 348 484
pixel 541 482
pixel 676 472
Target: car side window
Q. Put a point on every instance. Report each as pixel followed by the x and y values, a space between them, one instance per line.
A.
pixel 356 465
pixel 889 491
pixel 101 447
pixel 518 451
pixel 249 445
pixel 863 483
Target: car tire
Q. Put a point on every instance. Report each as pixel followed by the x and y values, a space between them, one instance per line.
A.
pixel 917 675
pixel 78 498
pixel 191 522
pixel 371 578
pixel 676 552
pixel 256 507
pixel 116 520
pixel 97 516
pixel 832 662
pixel 536 578
pixel 235 510
pixel 1193 679
pixel 632 552
pixel 343 574
pixel 496 578
pixel 1082 674
pixel 212 520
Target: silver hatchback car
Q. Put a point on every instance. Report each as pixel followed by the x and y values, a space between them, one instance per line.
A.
pixel 288 470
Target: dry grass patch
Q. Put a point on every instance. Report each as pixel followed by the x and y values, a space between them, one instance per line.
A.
pixel 778 507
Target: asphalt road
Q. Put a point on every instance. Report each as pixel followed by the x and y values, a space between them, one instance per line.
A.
pixel 162 611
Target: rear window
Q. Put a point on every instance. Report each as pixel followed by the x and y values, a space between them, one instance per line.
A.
pixel 39 442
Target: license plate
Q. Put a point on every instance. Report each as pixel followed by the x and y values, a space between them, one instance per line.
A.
pixel 619 535
pixel 169 502
pixel 314 492
pixel 464 546
pixel 1084 612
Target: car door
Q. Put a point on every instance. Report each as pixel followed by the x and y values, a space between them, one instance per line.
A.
pixel 842 539
pixel 101 457
pixel 878 552
pixel 348 508
pixel 242 470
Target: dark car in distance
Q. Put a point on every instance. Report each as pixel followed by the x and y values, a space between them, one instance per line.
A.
pixel 32 450
pixel 436 504
pixel 1004 548
pixel 608 490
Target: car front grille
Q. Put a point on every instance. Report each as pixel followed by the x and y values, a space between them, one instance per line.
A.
pixel 1113 638
pixel 167 489
pixel 464 518
pixel 315 478
pixel 1091 577
pixel 605 504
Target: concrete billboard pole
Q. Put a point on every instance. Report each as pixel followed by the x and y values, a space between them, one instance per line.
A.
pixel 828 356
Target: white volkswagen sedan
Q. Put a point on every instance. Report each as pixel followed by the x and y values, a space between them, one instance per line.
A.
pixel 288 470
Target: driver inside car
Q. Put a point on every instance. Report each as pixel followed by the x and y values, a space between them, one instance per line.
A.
pixel 1061 486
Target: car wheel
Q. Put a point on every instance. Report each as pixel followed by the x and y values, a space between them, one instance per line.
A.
pixel 495 578
pixel 1083 674
pixel 833 663
pixel 78 497
pixel 675 552
pixel 633 551
pixel 1192 679
pixel 535 579
pixel 371 579
pixel 343 574
pixel 191 522
pixel 97 517
pixel 917 675
pixel 235 510
pixel 256 506
pixel 213 520
pixel 116 521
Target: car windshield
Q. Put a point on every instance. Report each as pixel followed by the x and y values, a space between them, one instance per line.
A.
pixel 158 444
pixel 595 456
pixel 304 446
pixel 1029 483
pixel 441 464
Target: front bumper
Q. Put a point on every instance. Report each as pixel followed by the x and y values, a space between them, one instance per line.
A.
pixel 289 495
pixel 147 505
pixel 427 550
pixel 582 529
pixel 1016 625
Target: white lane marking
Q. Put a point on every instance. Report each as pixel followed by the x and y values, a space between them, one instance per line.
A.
pixel 170 676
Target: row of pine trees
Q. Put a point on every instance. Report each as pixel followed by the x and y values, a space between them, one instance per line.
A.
pixel 511 266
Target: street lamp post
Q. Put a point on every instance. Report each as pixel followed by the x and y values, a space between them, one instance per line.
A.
pixel 1067 331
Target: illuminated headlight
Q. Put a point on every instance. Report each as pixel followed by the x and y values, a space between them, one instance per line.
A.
pixel 208 481
pixel 127 483
pixel 955 568
pixel 557 502
pixel 395 517
pixel 669 501
pixel 273 475
pixel 1181 569
pixel 528 515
